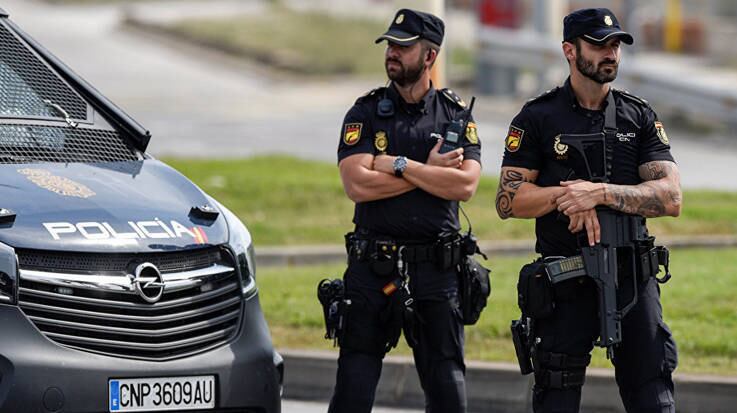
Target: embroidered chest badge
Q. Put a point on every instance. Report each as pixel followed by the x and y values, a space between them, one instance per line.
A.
pixel 380 141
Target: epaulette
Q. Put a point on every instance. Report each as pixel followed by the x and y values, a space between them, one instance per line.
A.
pixel 371 93
pixel 543 96
pixel 630 96
pixel 453 97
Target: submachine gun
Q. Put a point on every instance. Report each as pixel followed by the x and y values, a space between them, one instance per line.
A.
pixel 624 237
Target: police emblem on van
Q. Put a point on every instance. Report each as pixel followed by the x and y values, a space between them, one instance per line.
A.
pixel 57 184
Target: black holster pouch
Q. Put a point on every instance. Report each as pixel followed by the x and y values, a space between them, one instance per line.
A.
pixel 521 337
pixel 331 295
pixel 535 291
pixel 474 289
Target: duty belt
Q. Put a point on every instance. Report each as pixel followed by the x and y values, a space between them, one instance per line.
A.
pixel 649 263
pixel 447 249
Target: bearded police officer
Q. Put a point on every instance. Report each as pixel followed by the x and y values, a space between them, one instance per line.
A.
pixel 643 181
pixel 406 191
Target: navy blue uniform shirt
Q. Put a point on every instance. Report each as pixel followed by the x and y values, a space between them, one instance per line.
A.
pixel 412 131
pixel 531 143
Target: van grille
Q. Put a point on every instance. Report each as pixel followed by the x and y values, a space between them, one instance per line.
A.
pixel 88 314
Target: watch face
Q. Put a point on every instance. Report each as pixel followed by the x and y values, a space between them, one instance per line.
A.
pixel 400 164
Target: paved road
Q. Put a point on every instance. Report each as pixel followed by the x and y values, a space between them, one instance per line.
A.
pixel 292 406
pixel 198 105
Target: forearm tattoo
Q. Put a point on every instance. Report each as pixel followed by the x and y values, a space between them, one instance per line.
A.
pixel 659 194
pixel 509 183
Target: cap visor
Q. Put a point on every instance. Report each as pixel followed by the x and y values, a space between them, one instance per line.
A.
pixel 399 37
pixel 602 36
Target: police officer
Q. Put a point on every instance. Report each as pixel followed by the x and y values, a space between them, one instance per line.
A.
pixel 406 195
pixel 644 181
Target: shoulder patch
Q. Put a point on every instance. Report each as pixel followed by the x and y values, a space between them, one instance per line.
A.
pixel 514 138
pixel 352 133
pixel 543 96
pixel 453 97
pixel 627 95
pixel 371 93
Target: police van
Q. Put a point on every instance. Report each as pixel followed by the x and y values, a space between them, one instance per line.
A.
pixel 123 286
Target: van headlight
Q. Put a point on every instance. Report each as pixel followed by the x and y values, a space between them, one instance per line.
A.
pixel 239 240
pixel 8 275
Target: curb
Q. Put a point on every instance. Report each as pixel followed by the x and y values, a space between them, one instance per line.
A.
pixel 493 387
pixel 322 254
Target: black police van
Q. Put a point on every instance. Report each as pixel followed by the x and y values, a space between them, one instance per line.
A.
pixel 123 286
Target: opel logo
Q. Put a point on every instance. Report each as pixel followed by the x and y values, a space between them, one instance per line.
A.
pixel 148 282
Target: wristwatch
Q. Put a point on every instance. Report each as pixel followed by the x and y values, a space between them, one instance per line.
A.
pixel 400 164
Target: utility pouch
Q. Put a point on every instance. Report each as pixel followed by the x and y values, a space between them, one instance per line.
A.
pixel 355 247
pixel 383 257
pixel 474 289
pixel 448 250
pixel 535 291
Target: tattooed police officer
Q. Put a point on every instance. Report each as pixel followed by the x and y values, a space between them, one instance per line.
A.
pixel 406 192
pixel 644 181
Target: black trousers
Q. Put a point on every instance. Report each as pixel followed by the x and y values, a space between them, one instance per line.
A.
pixel 438 353
pixel 643 361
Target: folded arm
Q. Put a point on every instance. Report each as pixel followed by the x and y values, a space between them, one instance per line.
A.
pixel 362 183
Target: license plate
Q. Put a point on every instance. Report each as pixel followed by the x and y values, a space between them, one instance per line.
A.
pixel 161 394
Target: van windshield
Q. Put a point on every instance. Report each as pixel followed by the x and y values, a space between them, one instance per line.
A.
pixel 27 83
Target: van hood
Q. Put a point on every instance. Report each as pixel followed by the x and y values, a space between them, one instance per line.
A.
pixel 141 206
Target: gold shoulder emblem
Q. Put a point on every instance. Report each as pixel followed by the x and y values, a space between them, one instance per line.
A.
pixel 471 134
pixel 661 133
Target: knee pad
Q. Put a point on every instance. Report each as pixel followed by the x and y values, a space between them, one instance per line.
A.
pixel 559 371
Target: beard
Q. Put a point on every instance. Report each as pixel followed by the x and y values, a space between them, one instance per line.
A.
pixel 598 73
pixel 404 75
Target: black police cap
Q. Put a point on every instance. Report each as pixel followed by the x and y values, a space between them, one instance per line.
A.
pixel 593 25
pixel 409 26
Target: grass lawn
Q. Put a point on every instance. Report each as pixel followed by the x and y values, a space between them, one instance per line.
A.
pixel 287 201
pixel 303 42
pixel 698 305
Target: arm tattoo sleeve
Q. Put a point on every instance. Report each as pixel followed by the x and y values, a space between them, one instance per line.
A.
pixel 659 193
pixel 509 183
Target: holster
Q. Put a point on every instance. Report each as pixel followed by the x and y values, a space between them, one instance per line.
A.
pixel 331 295
pixel 521 337
pixel 651 257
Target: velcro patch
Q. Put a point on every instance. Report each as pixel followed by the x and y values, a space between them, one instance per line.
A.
pixel 514 138
pixel 352 133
